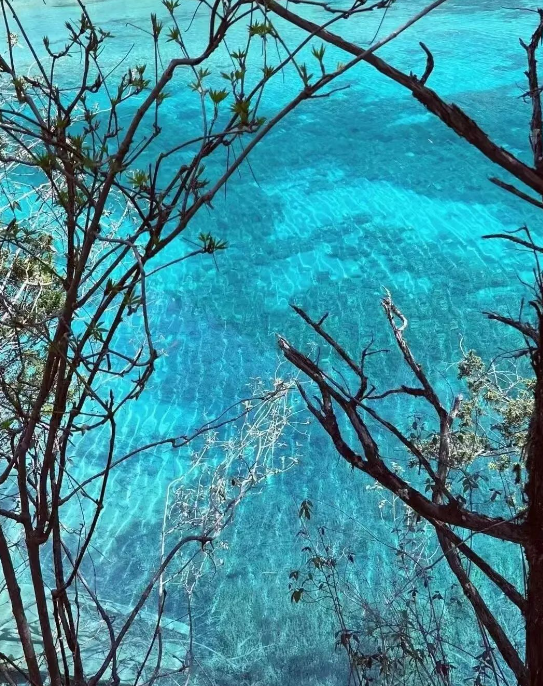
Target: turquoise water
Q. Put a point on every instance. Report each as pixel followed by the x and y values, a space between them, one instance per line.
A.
pixel 350 194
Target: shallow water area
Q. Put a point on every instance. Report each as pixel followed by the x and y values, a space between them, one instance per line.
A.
pixel 351 194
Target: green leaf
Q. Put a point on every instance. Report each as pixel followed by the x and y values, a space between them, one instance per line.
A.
pixel 296 595
pixel 242 109
pixel 319 52
pixel 210 244
pixel 261 29
pixel 171 5
pixel 305 509
pixel 174 34
pixel 238 55
pixel 218 96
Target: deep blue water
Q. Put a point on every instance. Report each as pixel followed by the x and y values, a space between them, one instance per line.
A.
pixel 350 194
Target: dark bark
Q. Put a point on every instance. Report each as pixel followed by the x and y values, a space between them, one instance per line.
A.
pixel 534 522
pixel 18 611
pixel 371 463
pixel 484 614
pixel 534 93
pixel 443 511
pixel 42 609
pixel 529 534
pixel 449 113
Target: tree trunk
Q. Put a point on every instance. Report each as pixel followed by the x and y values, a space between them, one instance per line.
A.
pixel 42 609
pixel 18 611
pixel 534 616
pixel 534 521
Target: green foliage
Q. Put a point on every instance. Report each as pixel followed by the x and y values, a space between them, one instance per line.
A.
pixel 139 179
pixel 133 302
pixel 242 107
pixel 210 244
pixel 217 96
pixel 306 77
pixel 394 642
pixel 237 75
pixel 19 86
pixel 171 5
pixel 46 161
pixel 197 85
pixel 318 53
pixel 261 29
pixel 98 332
pixel 305 509
pixel 174 34
pixel 162 96
pixel 135 78
pixel 296 595
pixel 491 423
pixel 238 55
pixel 472 368
pixel 30 285
pixel 156 26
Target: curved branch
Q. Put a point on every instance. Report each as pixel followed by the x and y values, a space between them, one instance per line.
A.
pixel 450 114
pixel 373 465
